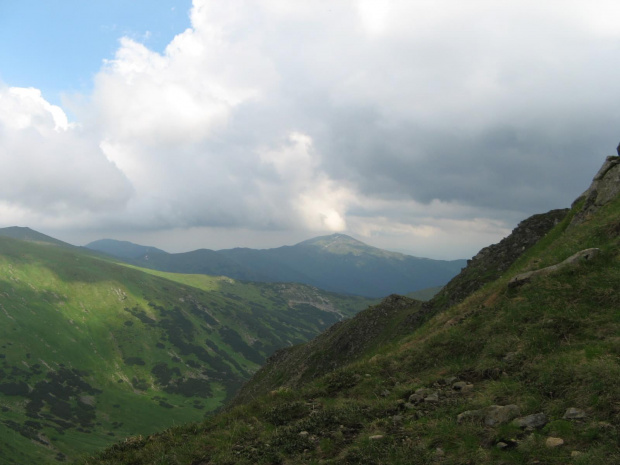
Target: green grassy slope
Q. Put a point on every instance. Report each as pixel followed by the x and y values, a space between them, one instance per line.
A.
pixel 92 351
pixel 550 348
pixel 341 344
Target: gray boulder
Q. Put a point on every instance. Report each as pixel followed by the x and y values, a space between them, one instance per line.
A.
pixel 573 413
pixel 531 422
pixel 493 415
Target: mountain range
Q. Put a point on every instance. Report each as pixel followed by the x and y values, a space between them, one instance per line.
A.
pixel 337 263
pixel 515 361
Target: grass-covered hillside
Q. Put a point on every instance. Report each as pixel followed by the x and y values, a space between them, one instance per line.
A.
pixel 521 371
pixel 92 351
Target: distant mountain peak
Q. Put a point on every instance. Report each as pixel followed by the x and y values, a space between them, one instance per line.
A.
pixel 336 238
pixel 342 244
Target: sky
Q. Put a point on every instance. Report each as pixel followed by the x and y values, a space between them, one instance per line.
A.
pixel 430 127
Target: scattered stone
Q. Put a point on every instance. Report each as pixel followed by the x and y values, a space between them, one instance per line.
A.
pixel 462 386
pixel 367 375
pixel 400 402
pixel 409 406
pixel 425 392
pixel 499 414
pixel 304 433
pixel 422 394
pixel 450 380
pixel 531 422
pixel 552 442
pixel 376 437
pixel 439 452
pixel 602 425
pixel 385 393
pixel 397 418
pixel 494 415
pixel 575 453
pixel 501 445
pixel 574 414
pixel 469 415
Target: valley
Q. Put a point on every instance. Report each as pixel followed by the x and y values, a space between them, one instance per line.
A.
pixel 92 351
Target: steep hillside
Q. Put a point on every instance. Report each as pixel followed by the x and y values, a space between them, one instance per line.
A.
pixel 91 351
pixel 341 344
pixel 523 370
pixel 336 263
pixel 395 316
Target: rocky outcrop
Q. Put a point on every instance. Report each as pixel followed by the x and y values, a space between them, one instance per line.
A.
pixel 604 188
pixel 493 415
pixel 587 254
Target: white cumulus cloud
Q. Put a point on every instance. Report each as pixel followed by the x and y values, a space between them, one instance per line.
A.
pixel 50 168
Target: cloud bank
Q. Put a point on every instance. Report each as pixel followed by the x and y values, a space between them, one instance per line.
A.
pixel 426 126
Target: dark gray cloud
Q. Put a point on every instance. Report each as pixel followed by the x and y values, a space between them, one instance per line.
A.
pixel 505 167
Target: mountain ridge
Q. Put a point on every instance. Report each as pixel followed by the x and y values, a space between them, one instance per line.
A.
pixel 122 249
pixel 337 263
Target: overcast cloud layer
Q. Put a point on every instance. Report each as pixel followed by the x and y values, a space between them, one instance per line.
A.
pixel 427 126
